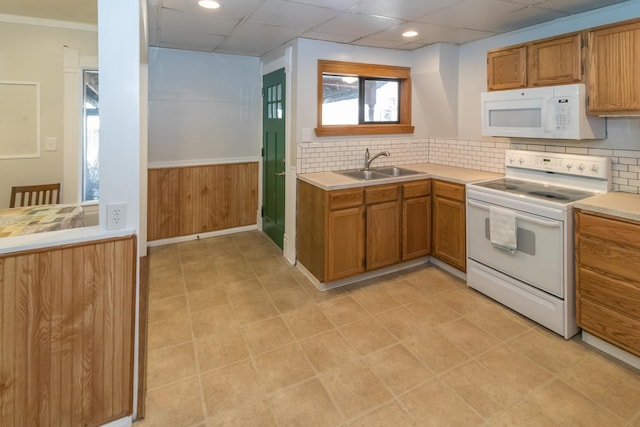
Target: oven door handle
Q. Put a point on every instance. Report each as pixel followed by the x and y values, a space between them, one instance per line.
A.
pixel 520 216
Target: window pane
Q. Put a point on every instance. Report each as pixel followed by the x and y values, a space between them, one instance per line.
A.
pixel 91 136
pixel 339 100
pixel 381 101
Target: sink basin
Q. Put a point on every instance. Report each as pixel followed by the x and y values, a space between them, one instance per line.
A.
pixel 378 173
pixel 363 175
pixel 396 171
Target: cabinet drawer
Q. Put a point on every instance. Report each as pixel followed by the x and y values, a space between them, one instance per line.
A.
pixel 615 231
pixel 618 295
pixel 608 258
pixel 381 193
pixel 416 189
pixel 448 190
pixel 610 325
pixel 349 198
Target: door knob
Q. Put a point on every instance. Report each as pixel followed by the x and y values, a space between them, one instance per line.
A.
pixel 281 174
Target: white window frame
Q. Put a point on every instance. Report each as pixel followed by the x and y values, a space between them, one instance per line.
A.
pixel 74 65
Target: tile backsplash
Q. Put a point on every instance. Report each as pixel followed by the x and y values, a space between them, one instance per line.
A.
pixel 480 155
pixel 340 155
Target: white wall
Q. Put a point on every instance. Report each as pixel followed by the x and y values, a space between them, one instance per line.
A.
pixel 434 75
pixel 622 133
pixel 35 53
pixel 203 106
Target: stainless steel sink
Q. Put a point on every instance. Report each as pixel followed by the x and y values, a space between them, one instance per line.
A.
pixel 378 173
pixel 396 171
pixel 363 175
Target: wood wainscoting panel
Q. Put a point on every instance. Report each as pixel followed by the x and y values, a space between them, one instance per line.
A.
pixel 199 199
pixel 66 334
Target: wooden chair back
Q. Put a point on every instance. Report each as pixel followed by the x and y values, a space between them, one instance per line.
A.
pixel 31 195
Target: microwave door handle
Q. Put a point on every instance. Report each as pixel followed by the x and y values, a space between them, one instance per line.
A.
pixel 547 116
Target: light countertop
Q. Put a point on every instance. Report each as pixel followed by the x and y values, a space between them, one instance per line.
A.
pixel 336 181
pixel 624 205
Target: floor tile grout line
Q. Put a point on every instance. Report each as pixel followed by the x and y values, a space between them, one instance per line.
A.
pixel 195 351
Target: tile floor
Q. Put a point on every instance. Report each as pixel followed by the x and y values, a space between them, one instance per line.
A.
pixel 239 337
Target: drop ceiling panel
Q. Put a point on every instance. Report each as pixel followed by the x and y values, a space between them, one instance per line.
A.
pixel 400 9
pixel 330 4
pixel 356 25
pixel 295 15
pixel 256 39
pixel 575 6
pixel 427 33
pixel 194 41
pixel 237 9
pixel 466 13
pixel 520 18
pixel 196 23
pixel 465 35
pixel 338 38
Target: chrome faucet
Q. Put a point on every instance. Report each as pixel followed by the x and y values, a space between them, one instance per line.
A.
pixel 368 160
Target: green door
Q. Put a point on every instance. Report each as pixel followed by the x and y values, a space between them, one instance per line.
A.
pixel 273 166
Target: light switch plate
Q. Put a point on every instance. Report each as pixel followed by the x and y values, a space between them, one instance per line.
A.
pixel 307 134
pixel 51 143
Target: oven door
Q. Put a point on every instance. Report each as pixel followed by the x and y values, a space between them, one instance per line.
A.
pixel 539 257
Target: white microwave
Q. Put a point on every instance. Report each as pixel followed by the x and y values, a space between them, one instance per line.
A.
pixel 553 112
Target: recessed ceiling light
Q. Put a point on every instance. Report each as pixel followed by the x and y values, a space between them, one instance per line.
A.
pixel 209 4
pixel 410 34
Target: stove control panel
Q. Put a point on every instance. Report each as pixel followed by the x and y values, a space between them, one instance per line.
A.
pixel 569 164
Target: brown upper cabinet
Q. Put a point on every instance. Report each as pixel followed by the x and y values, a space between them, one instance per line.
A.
pixel 614 67
pixel 550 61
pixel 507 68
pixel 553 61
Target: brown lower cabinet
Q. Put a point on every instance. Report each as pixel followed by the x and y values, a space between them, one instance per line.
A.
pixel 416 219
pixel 383 225
pixel 342 233
pixel 449 228
pixel 608 278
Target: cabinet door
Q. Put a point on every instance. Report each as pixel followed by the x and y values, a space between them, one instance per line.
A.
pixel 383 234
pixel 345 243
pixel 416 227
pixel 555 61
pixel 614 67
pixel 507 68
pixel 449 231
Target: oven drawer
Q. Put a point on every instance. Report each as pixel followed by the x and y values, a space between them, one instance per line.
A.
pixel 540 258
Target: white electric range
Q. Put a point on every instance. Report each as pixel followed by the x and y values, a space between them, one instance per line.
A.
pixel 527 264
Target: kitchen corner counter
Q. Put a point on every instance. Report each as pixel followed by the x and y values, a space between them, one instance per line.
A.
pixel 623 205
pixel 335 181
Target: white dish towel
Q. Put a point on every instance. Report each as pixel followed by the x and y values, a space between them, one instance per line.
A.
pixel 502 228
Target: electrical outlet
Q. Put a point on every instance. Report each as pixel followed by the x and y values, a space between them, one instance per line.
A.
pixel 116 216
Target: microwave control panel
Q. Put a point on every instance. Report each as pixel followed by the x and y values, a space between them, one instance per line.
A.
pixel 562 112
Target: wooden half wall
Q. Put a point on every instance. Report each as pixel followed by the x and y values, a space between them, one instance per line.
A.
pixel 66 334
pixel 199 199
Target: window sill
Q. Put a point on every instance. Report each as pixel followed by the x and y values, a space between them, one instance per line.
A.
pixel 340 130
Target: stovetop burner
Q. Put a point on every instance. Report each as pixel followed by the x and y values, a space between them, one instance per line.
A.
pixel 536 190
